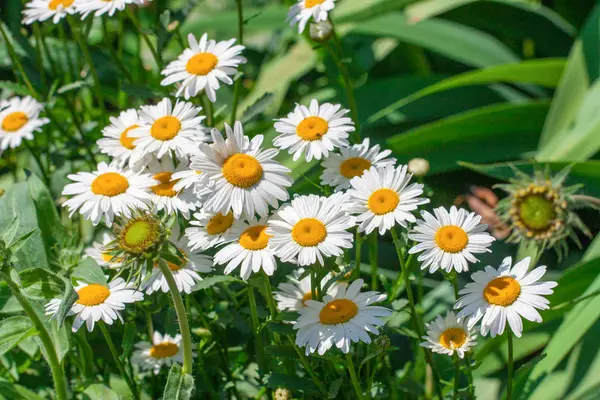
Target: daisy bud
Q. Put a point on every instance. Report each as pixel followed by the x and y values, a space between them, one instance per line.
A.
pixel 418 166
pixel 202 332
pixel 382 342
pixel 283 394
pixel 321 31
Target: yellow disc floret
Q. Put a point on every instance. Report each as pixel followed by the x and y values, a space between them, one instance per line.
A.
pixel 92 295
pixel 201 64
pixel 255 238
pixel 312 128
pixel 110 184
pixel 242 170
pixel 338 311
pixel 502 291
pixel 309 232
pixel 451 239
pixel 14 121
pixel 165 128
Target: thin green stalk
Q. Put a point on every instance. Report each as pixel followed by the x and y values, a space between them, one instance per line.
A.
pixel 38 51
pixel 50 59
pixel 138 26
pixel 237 85
pixel 353 377
pixel 17 63
pixel 208 107
pixel 454 281
pixel 373 242
pixel 313 283
pixel 260 349
pixel 58 374
pixel 306 364
pixel 357 255
pixel 456 361
pixel 38 160
pixel 71 70
pixel 509 383
pixel 113 51
pixel 115 355
pixel 149 325
pixel 184 327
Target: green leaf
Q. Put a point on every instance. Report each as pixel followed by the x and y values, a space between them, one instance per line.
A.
pixel 430 8
pixel 69 298
pixel 13 330
pixel 276 380
pixel 282 328
pixel 128 339
pixel 41 284
pixel 334 388
pixel 14 87
pixel 89 271
pixel 281 351
pixel 12 391
pixel 213 280
pixel 98 391
pixel 257 108
pixel 179 386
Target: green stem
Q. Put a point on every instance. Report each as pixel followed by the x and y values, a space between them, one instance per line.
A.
pixel 373 259
pixel 454 281
pixel 113 51
pixel 357 255
pixel 146 38
pixel 208 107
pixel 184 327
pixel 58 374
pixel 456 361
pixel 17 63
pixel 353 377
pixel 38 160
pixel 260 349
pixel 117 361
pixel 149 325
pixel 509 383
pixel 71 70
pixel 38 51
pixel 237 85
pixel 305 363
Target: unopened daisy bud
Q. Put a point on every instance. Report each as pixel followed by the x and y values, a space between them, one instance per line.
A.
pixel 418 166
pixel 139 235
pixel 283 394
pixel 321 31
pixel 202 332
pixel 383 342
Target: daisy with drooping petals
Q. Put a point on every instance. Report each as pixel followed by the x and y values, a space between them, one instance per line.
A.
pixel 316 130
pixel 209 230
pixel 310 228
pixel 448 335
pixel 339 320
pixel 293 295
pixel 301 12
pixel 99 254
pixel 164 195
pixel 98 302
pixel 383 197
pixel 203 65
pixel 42 10
pixel 448 240
pixel 246 178
pixel 505 294
pixel 108 192
pixel 164 350
pixel 164 128
pixel 118 144
pixel 250 249
pixel 19 119
pixel 99 7
pixel 352 161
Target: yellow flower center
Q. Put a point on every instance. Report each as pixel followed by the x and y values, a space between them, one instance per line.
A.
pixel 140 234
pixel 165 187
pixel 354 167
pixel 165 128
pixel 127 141
pixel 201 64
pixel 53 5
pixel 383 201
pixel 14 121
pixel 338 311
pixel 312 128
pixel 92 295
pixel 164 350
pixel 110 184
pixel 242 170
pixel 219 223
pixel 255 238
pixel 307 296
pixel 309 232
pixel 451 239
pixel 453 338
pixel 537 212
pixel 502 291
pixel 312 3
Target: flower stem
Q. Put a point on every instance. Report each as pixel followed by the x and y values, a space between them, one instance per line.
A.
pixel 38 160
pixel 184 327
pixel 138 26
pixel 260 349
pixel 373 259
pixel 454 281
pixel 353 377
pixel 307 367
pixel 358 245
pixel 208 107
pixel 456 395
pixel 237 85
pixel 509 382
pixel 117 361
pixel 15 60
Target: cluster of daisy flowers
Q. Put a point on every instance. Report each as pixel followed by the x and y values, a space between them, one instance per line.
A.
pixel 43 10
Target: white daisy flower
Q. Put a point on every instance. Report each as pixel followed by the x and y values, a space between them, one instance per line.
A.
pixel 164 195
pixel 164 350
pixel 382 197
pixel 301 12
pixel 108 192
pixel 19 119
pixel 311 227
pixel 339 320
pixel 97 302
pixel 100 7
pixel 42 10
pixel 505 294
pixel 117 142
pixel 186 275
pixel 202 66
pixel 98 252
pixel 292 295
pixel 209 229
pixel 193 180
pixel 165 128
pixel 316 130
pixel 250 249
pixel 448 335
pixel 339 169
pixel 449 240
pixel 246 178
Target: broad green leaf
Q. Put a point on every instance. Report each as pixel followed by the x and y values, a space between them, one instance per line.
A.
pixel 41 284
pixel 506 130
pixel 89 271
pixel 12 391
pixel 128 339
pixel 179 385
pixel 98 391
pixel 13 330
pixel 430 8
pixel 8 302
pixel 14 87
pixel 593 249
pixel 213 280
pixel 69 298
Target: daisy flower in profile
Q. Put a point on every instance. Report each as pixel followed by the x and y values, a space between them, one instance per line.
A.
pixel 108 192
pixel 98 302
pixel 209 229
pixel 292 295
pixel 316 130
pixel 202 66
pixel 100 7
pixel 164 195
pixel 118 144
pixel 165 128
pixel 301 12
pixel 164 350
pixel 383 197
pixel 353 161
pixel 504 294
pixel 250 250
pixel 310 228
pixel 448 240
pixel 98 252
pixel 446 335
pixel 186 275
pixel 339 320
pixel 19 119
pixel 246 178
pixel 42 10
